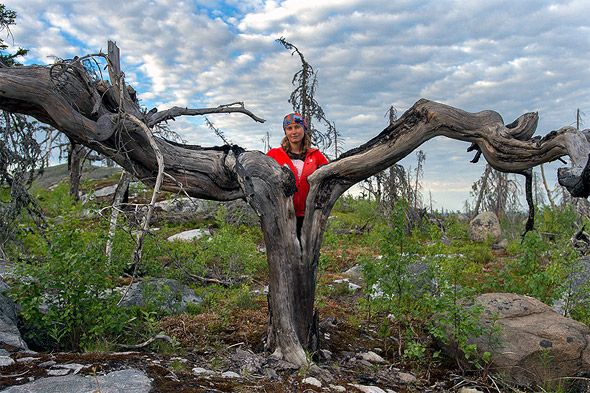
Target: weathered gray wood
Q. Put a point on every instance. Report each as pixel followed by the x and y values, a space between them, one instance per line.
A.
pixel 158 117
pixel 229 172
pixel 106 126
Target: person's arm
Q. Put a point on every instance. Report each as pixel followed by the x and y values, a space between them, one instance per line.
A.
pixel 322 160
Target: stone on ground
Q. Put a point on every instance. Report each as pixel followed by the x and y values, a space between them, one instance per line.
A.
pixel 9 333
pixel 367 389
pixel 484 226
pixel 169 295
pixel 535 344
pixel 128 381
pixel 312 381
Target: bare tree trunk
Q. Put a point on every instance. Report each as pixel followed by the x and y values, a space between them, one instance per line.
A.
pixel 482 189
pixel 530 223
pixel 115 126
pixel 76 160
pixel 122 188
pixel 547 189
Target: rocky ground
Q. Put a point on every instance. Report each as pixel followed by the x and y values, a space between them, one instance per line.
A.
pixel 228 370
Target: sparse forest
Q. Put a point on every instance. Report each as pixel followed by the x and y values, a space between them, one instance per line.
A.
pixel 379 290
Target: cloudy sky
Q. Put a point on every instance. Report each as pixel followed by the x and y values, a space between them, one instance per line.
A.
pixel 509 56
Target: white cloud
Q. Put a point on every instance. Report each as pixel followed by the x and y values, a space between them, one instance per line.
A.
pixel 509 56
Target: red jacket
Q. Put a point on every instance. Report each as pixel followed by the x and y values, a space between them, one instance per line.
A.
pixel 313 159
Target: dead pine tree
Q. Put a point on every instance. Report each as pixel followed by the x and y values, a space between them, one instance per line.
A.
pixel 303 100
pixel 91 114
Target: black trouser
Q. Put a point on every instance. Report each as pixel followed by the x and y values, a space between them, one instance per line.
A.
pixel 299 225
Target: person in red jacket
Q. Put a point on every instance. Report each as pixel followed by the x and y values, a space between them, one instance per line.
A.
pixel 297 153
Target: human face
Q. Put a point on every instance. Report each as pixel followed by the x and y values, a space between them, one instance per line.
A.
pixel 294 133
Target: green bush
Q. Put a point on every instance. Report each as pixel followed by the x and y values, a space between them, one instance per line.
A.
pixel 423 289
pixel 540 270
pixel 65 295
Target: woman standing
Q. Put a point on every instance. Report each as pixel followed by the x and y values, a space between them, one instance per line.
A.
pixel 297 153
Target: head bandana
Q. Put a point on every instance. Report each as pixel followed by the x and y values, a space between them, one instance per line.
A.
pixel 294 118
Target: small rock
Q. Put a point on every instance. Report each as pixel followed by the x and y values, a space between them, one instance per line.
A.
pixel 58 372
pixel 338 388
pixel 501 245
pixel 47 364
pixel 469 390
pixel 4 352
pixel 230 374
pixel 355 272
pixel 322 374
pixel 326 354
pixel 406 378
pixel 193 234
pixel 328 323
pixel 202 371
pixel 28 352
pixel 364 362
pixel 367 389
pixel 372 357
pixel 312 381
pixel 352 287
pixel 247 362
pixel 271 373
pixel 28 359
pixel 6 361
pixel 75 367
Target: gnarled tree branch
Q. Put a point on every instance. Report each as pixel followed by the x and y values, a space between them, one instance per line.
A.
pixel 229 172
pixel 176 111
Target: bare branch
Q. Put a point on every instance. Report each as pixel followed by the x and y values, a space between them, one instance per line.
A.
pixel 168 114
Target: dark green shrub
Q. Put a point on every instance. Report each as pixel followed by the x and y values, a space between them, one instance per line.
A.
pixel 65 294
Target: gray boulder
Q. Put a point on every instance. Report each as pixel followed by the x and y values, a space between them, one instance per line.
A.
pixel 535 345
pixel 484 226
pixel 182 210
pixel 182 205
pixel 128 381
pixel 579 283
pixel 9 334
pixel 190 235
pixel 240 213
pixel 170 296
pixel 355 273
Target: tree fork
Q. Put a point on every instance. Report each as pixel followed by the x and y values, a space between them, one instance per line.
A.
pixel 229 173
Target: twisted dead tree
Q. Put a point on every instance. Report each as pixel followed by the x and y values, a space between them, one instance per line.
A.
pixel 107 119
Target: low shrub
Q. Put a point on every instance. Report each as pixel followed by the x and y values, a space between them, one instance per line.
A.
pixel 66 295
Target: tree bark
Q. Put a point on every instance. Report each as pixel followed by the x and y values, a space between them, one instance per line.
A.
pixel 67 98
pixel 76 160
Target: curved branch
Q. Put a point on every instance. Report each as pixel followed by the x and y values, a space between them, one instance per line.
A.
pixel 503 147
pixel 176 111
pixel 202 172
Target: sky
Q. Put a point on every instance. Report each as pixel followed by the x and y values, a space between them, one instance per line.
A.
pixel 509 56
